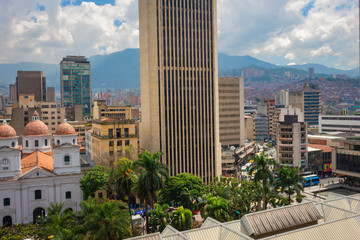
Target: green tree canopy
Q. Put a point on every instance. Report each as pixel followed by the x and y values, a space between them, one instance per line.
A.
pixel 61 223
pixel 262 174
pixel 159 217
pixel 94 180
pixel 174 186
pixel 151 175
pixel 216 208
pixel 289 181
pixel 109 220
pixel 181 219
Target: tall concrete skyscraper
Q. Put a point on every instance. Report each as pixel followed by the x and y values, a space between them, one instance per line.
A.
pixel 75 85
pixel 179 84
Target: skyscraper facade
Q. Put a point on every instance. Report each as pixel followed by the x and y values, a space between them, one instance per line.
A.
pixel 75 83
pixel 179 84
pixel 31 82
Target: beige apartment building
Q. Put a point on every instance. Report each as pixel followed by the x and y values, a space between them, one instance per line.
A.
pixel 101 110
pixel 110 138
pixel 179 85
pixel 231 110
pixel 292 138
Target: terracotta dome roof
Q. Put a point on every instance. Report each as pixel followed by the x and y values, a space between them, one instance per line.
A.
pixel 7 131
pixel 65 129
pixel 36 113
pixel 36 127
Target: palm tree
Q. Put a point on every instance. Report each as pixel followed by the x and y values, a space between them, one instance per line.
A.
pixel 182 219
pixel 125 179
pixel 159 217
pixel 188 198
pixel 289 181
pixel 152 173
pixel 263 174
pixel 60 223
pixel 217 208
pixel 109 221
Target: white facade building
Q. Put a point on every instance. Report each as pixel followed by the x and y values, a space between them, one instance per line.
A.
pixel 37 174
pixel 339 123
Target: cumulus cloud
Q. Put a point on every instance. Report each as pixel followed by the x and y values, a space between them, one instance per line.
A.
pixel 49 32
pixel 279 31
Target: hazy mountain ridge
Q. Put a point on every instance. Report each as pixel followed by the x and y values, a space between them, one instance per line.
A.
pixel 121 70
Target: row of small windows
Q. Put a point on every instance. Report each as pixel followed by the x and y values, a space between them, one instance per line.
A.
pixel 36 143
pixel 119 143
pixel 38 195
pixel 58 142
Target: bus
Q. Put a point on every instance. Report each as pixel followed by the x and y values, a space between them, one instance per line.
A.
pixel 310 180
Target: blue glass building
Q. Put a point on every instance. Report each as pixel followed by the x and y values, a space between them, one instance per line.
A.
pixel 75 80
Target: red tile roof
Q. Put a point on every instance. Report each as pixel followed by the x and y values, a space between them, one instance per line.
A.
pixel 39 159
pixel 324 148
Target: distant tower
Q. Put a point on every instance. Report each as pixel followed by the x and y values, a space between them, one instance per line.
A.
pixel 311 73
pixel 75 83
pixel 31 82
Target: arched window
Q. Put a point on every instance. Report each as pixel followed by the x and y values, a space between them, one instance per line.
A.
pixel 46 142
pixel 58 142
pixel 27 143
pixel 67 160
pixel 74 141
pixel 36 143
pixel 37 194
pixel 7 221
pixel 6 201
pixel 13 144
pixel 38 213
pixel 68 195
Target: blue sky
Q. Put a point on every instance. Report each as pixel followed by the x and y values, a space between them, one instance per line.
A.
pixel 284 32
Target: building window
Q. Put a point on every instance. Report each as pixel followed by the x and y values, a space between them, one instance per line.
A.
pixel 74 141
pixel 37 194
pixel 6 201
pixel 58 142
pixel 36 143
pixel 46 142
pixel 110 132
pixel 27 143
pixel 13 144
pixel 118 132
pixel 126 132
pixel 119 143
pixel 68 195
pixel 127 142
pixel 111 143
pixel 100 195
pixel 67 160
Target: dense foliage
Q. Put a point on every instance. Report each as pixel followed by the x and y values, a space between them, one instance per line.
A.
pixel 175 200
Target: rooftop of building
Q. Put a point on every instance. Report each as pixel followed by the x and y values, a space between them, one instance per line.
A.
pixel 37 159
pixel 336 218
pixel 324 148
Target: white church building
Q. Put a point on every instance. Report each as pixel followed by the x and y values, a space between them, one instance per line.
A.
pixel 37 173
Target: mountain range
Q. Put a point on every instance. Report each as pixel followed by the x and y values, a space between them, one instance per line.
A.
pixel 121 70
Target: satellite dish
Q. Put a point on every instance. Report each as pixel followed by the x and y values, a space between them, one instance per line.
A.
pixel 232 148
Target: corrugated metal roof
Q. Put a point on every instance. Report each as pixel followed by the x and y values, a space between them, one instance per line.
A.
pixel 154 236
pixel 210 222
pixel 341 229
pixel 280 218
pixel 169 230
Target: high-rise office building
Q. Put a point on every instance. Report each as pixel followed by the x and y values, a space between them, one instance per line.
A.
pixel 231 110
pixel 75 84
pixel 13 92
pixel 50 94
pixel 309 102
pixel 311 73
pixel 179 84
pixel 31 82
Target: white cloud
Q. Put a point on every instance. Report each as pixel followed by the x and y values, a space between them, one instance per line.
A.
pixel 272 30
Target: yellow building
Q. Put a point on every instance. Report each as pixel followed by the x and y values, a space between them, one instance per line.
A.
pixel 80 128
pixel 101 110
pixel 110 138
